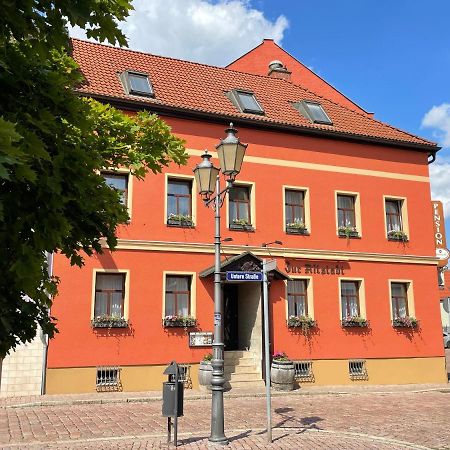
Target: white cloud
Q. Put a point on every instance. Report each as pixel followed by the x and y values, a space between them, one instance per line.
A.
pixel 440 185
pixel 198 30
pixel 438 117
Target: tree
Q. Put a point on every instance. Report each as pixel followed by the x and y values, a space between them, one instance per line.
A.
pixel 53 144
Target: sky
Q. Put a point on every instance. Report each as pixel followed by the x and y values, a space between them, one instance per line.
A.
pixel 390 57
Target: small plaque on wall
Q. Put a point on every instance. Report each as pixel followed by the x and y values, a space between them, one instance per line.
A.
pixel 200 339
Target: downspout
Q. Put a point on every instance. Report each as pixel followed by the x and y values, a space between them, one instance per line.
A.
pixel 45 336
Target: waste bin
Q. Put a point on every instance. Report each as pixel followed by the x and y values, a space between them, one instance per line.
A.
pixel 172 407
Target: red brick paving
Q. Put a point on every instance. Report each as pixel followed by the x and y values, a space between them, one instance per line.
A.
pixel 323 421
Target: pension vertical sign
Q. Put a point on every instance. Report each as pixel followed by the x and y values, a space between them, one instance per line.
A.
pixel 442 252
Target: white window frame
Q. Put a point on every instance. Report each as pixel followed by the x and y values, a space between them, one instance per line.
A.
pixel 358 220
pixel 309 294
pixel 181 177
pixel 193 290
pixel 252 186
pixel 403 213
pixel 409 296
pixel 126 299
pixel 361 296
pixel 306 204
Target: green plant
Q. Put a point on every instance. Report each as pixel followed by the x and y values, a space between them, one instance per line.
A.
pixel 107 321
pixel 297 224
pixel 280 356
pixel 354 321
pixel 182 219
pixel 303 322
pixel 240 222
pixel 407 322
pixel 179 321
pixel 208 357
pixel 397 235
pixel 347 231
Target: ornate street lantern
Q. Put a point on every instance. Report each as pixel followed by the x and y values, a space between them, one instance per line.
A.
pixel 206 176
pixel 231 153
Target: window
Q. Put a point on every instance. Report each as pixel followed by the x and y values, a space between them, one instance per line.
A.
pixel 346 211
pixel 119 182
pixel 394 215
pixel 399 299
pixel 350 299
pixel 313 111
pixel 178 296
pixel 179 202
pixel 109 295
pixel 239 207
pixel 108 378
pixel 303 371
pixel 357 369
pixel 245 101
pixel 294 203
pixel 297 298
pixel 137 84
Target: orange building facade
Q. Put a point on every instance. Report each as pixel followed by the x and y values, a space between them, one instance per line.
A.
pixel 348 199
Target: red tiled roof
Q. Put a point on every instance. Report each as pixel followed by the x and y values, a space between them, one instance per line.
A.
pixel 197 87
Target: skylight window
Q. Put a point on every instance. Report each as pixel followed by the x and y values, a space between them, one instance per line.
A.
pixel 137 83
pixel 313 111
pixel 246 101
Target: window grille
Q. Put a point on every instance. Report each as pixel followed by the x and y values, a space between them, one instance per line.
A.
pixel 185 375
pixel 108 378
pixel 303 371
pixel 357 369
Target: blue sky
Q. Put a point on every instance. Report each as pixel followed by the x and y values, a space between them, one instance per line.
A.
pixel 392 57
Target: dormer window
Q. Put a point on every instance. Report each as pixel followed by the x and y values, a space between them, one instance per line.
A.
pixel 137 83
pixel 313 111
pixel 245 101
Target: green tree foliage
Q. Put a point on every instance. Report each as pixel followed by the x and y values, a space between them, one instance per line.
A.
pixel 53 143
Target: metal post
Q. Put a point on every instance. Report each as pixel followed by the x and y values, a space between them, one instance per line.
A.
pixel 218 380
pixel 266 348
pixel 175 428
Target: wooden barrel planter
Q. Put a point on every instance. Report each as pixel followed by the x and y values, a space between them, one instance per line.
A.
pixel 205 375
pixel 282 375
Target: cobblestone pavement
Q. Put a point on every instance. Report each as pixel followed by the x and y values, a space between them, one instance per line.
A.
pixel 391 420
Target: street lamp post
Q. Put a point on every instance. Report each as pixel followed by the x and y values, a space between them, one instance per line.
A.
pixel 231 154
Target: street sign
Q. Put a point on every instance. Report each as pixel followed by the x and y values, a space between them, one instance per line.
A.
pixel 244 276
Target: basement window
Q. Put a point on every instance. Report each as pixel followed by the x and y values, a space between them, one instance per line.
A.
pixel 137 83
pixel 245 101
pixel 357 369
pixel 108 379
pixel 303 371
pixel 313 111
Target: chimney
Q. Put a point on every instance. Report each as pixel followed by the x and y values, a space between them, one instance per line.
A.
pixel 278 70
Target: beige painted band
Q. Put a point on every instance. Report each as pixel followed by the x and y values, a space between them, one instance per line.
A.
pixel 322 167
pixel 334 255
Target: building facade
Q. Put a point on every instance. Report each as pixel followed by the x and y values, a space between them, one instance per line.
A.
pixel 353 299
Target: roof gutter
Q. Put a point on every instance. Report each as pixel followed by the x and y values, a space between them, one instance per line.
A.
pixel 432 155
pixel 173 111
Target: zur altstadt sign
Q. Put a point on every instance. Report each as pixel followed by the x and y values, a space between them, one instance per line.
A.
pixel 309 268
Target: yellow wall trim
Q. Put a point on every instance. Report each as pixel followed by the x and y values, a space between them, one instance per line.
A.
pixel 191 247
pixel 76 380
pixel 322 167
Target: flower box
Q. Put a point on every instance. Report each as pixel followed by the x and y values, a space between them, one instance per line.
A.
pixel 303 322
pixel 179 321
pixel 109 322
pixel 405 322
pixel 296 230
pixel 240 225
pixel 180 220
pixel 348 232
pixel 354 321
pixel 397 236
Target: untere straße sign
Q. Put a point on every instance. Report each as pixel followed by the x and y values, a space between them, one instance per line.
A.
pixel 442 252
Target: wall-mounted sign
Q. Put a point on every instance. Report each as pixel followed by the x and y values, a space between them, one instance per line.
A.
pixel 440 243
pixel 319 268
pixel 200 339
pixel 244 276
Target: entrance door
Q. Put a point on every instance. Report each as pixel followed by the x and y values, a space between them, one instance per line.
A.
pixel 230 303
